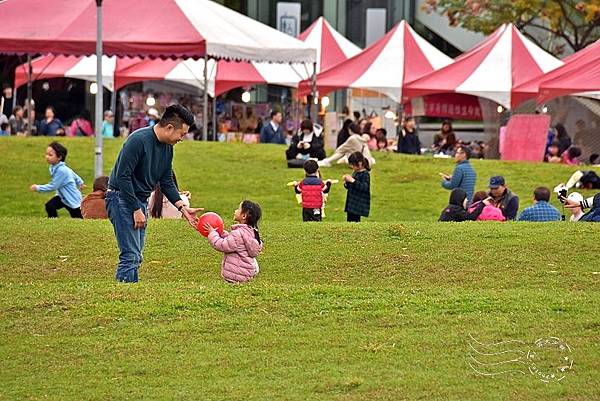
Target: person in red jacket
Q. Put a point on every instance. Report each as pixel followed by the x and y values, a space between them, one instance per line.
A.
pixel 312 188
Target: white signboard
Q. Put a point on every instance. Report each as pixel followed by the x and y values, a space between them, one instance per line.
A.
pixel 288 18
pixel 376 24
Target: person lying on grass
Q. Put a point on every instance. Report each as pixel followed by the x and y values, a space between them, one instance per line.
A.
pixel 64 181
pixel 241 246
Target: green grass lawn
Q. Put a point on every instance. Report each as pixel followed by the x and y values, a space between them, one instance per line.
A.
pixel 378 311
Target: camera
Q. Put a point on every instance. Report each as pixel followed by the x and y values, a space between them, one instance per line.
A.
pixel 561 192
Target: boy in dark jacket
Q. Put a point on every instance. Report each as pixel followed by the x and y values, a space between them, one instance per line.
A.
pixel 312 188
pixel 457 207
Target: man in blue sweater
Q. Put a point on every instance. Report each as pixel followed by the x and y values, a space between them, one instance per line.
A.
pixel 464 175
pixel 145 160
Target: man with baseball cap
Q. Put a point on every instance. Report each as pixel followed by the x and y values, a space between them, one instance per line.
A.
pixel 503 197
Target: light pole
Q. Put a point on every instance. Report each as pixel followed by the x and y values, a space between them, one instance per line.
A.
pixel 100 92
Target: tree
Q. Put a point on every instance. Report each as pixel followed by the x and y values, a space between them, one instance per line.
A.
pixel 551 24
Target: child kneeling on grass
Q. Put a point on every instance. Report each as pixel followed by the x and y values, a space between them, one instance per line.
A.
pixel 241 246
pixel 64 181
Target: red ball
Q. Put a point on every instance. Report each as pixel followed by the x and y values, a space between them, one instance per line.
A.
pixel 211 218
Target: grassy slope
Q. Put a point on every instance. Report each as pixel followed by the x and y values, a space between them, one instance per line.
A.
pixel 374 311
pixel 219 175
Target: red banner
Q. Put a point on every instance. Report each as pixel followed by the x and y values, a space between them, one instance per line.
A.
pixel 446 105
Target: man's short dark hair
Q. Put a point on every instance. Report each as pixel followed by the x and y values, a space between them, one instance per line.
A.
pixel 465 149
pixel 541 194
pixel 356 115
pixel 311 166
pixel 60 150
pixel 275 112
pixel 176 115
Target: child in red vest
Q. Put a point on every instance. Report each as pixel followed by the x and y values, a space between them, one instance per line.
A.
pixel 312 188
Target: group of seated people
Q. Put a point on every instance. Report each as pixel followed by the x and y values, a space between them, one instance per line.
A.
pixel 500 204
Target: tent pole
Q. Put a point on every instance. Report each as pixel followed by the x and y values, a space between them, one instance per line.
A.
pixel 205 102
pixel 29 96
pixel 14 99
pixel 100 93
pixel 314 106
pixel 214 118
pixel 113 108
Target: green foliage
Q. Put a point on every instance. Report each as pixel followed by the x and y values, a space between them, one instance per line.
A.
pixel 577 23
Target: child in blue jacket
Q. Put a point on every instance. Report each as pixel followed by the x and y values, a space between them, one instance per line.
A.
pixel 64 181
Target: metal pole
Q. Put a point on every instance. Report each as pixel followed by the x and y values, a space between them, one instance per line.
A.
pixel 214 118
pixel 315 113
pixel 29 96
pixel 100 92
pixel 205 102
pixel 14 99
pixel 113 108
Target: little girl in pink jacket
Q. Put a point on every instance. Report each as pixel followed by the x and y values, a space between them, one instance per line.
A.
pixel 241 246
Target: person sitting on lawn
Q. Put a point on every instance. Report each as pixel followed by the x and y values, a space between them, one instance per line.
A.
pixel 356 143
pixel 457 207
pixel 160 207
pixel 541 211
pixel 576 212
pixel 93 206
pixel 308 143
pixel 593 203
pixel 553 154
pixel 503 197
pixel 490 211
pixel 570 156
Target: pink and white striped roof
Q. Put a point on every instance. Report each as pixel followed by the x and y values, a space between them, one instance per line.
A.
pixel 157 28
pixel 580 76
pixel 491 70
pixel 223 75
pixel 46 67
pixel 386 66
pixel 332 47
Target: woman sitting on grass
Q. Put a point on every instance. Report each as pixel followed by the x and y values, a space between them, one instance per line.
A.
pixel 457 207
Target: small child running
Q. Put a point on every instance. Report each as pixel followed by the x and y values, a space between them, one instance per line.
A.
pixel 64 181
pixel 241 246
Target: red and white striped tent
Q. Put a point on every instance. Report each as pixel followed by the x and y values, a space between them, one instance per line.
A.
pixel 386 66
pixel 224 75
pixel 332 47
pixel 571 64
pixel 84 68
pixel 491 70
pixel 157 28
pixel 579 76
